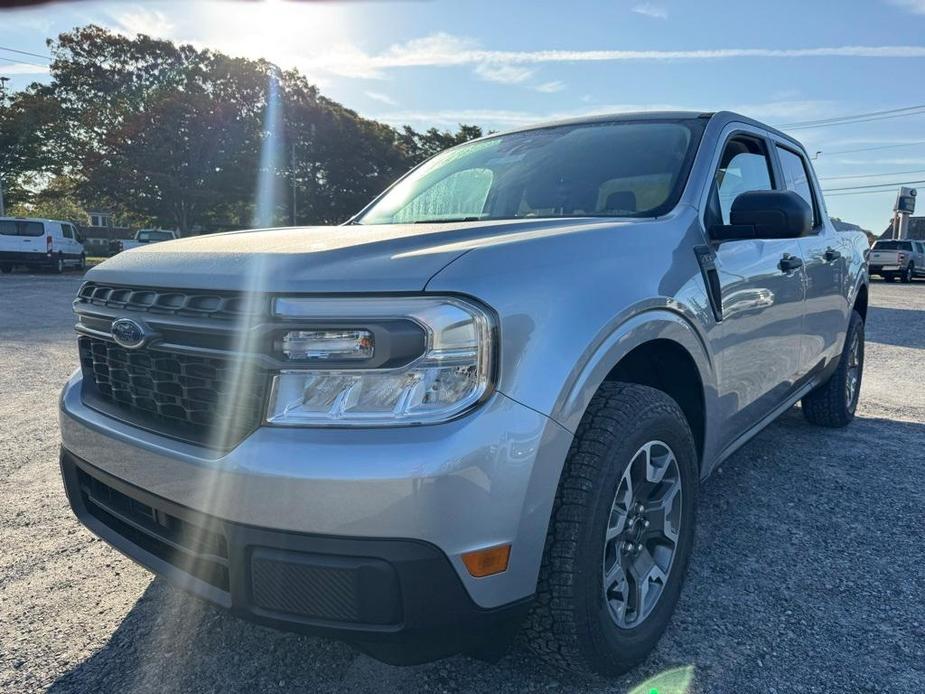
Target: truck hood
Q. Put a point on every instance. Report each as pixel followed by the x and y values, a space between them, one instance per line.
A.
pixel 353 258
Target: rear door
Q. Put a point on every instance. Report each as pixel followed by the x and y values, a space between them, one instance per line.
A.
pixel 762 304
pixel 825 255
pixel 29 236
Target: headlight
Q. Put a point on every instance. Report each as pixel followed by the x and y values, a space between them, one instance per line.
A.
pixel 347 355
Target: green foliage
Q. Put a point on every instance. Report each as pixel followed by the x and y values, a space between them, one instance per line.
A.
pixel 172 134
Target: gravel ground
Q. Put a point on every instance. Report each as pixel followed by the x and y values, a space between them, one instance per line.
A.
pixel 807 575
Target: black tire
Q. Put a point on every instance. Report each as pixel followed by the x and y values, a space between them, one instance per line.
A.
pixel 570 625
pixel 58 266
pixel 830 404
pixel 82 265
pixel 889 278
pixel 6 268
pixel 906 276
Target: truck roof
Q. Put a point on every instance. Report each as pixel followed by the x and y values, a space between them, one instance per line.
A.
pixel 723 116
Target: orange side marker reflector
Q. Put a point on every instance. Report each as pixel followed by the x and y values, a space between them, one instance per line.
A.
pixel 487 562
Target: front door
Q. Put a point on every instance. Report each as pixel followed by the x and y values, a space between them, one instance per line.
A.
pixel 759 349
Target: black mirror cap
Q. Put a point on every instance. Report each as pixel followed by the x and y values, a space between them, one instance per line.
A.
pixel 772 214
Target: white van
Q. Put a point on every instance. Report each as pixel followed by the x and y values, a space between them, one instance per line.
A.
pixel 40 243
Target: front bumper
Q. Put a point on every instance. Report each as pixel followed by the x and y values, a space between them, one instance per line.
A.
pixel 399 600
pixel 484 479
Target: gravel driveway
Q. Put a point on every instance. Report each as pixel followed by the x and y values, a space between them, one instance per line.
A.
pixel 808 574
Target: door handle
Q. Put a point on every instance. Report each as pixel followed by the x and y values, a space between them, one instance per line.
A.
pixel 831 254
pixel 789 263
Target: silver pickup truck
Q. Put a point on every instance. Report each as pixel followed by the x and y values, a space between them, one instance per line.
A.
pixel 898 258
pixel 485 403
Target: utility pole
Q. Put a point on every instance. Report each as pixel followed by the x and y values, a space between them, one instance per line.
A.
pixel 292 164
pixel 3 81
pixel 902 210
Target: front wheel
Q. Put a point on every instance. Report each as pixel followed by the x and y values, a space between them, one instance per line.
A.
pixel 82 264
pixel 620 535
pixel 834 403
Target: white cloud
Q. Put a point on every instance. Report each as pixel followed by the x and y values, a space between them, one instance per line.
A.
pixel 505 74
pixel 499 118
pixel 445 50
pixel 550 87
pixel 136 19
pixel 916 6
pixel 647 9
pixel 22 69
pixel 383 98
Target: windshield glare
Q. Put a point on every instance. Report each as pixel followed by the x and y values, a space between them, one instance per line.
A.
pixel 615 169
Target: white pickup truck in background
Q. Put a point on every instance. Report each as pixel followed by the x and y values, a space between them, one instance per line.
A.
pixel 892 258
pixel 145 236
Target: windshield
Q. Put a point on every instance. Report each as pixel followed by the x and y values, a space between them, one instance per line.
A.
pixel 148 236
pixel 613 169
pixel 893 246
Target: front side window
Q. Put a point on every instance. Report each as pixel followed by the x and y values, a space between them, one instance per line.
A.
pixel 609 169
pixel 796 178
pixel 66 228
pixel 743 167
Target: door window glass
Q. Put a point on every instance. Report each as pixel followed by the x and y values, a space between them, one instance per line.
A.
pixel 66 228
pixel 743 167
pixel 796 178
pixel 31 228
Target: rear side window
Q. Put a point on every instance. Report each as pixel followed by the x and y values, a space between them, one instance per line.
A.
pixel 9 227
pixel 796 178
pixel 31 228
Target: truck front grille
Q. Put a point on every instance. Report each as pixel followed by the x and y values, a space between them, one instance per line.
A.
pixel 180 302
pixel 204 400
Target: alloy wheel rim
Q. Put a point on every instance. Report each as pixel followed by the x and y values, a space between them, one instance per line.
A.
pixel 642 534
pixel 854 370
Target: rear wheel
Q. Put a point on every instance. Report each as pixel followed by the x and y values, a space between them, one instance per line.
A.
pixel 58 266
pixel 906 276
pixel 82 264
pixel 620 534
pixel 834 403
pixel 6 268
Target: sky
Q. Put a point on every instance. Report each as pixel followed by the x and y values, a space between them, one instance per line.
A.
pixel 504 64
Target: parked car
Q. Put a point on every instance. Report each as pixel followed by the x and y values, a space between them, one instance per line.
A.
pixel 40 243
pixel 146 236
pixel 485 403
pixel 898 258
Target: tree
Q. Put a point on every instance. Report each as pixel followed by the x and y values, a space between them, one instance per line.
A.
pixel 421 146
pixel 175 135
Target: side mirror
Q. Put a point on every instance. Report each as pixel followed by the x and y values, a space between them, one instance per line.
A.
pixel 766 214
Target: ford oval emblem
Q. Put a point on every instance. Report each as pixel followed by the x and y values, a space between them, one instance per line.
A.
pixel 128 333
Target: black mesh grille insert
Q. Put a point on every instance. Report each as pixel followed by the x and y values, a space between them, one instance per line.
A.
pixel 200 399
pixel 305 589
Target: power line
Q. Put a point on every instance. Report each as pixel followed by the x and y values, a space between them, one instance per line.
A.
pixel 823 121
pixel 857 192
pixel 878 147
pixel 34 55
pixel 17 61
pixel 834 122
pixel 876 175
pixel 878 185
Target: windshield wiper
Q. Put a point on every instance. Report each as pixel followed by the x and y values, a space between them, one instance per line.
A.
pixel 446 220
